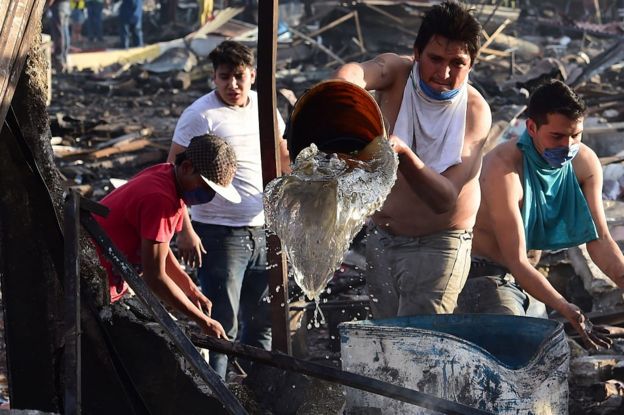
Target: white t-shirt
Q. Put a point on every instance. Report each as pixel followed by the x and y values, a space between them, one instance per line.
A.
pixel 238 126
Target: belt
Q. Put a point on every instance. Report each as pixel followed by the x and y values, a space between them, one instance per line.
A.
pixel 480 267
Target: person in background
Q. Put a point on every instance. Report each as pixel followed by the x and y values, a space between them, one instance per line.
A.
pixel 59 31
pixel 418 244
pixel 147 211
pixel 205 11
pixel 228 241
pixel 94 22
pixel 540 191
pixel 131 23
pixel 77 18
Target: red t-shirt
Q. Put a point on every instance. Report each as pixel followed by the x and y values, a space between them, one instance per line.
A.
pixel 147 207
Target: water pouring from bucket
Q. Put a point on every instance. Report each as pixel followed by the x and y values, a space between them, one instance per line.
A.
pixel 343 172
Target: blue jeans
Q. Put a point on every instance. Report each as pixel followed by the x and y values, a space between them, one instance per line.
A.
pixel 94 23
pixel 60 33
pixel 234 277
pixel 131 34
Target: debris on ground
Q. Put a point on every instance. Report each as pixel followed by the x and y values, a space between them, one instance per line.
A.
pixel 115 112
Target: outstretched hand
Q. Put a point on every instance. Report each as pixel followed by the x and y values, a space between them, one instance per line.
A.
pixel 200 300
pixel 593 337
pixel 190 248
pixel 213 328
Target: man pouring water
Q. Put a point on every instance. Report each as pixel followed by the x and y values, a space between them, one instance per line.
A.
pixel 418 244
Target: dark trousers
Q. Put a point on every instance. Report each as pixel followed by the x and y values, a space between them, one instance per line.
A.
pixel 94 24
pixel 60 34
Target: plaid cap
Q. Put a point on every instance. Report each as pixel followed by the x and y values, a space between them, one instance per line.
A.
pixel 215 161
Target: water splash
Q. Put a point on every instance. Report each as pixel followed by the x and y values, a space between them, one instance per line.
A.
pixel 318 209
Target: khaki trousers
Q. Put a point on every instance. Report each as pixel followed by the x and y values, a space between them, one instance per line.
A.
pixel 416 275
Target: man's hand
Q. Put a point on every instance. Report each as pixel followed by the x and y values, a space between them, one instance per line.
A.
pixel 190 248
pixel 594 337
pixel 398 145
pixel 200 300
pixel 213 328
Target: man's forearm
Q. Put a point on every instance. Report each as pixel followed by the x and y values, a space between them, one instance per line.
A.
pixel 538 286
pixel 434 189
pixel 169 292
pixel 179 277
pixel 607 256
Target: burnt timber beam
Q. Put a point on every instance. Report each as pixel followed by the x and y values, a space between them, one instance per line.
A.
pixel 73 361
pixel 19 22
pixel 269 149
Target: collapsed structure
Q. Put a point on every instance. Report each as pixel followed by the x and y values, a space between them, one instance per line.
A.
pixel 113 123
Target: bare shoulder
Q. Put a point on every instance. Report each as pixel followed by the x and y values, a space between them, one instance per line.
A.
pixel 478 116
pixel 392 64
pixel 504 159
pixel 394 60
pixel 501 173
pixel 586 163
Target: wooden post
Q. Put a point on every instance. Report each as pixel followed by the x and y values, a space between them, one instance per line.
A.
pixel 72 361
pixel 269 148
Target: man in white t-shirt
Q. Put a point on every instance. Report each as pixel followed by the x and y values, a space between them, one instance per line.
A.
pixel 228 241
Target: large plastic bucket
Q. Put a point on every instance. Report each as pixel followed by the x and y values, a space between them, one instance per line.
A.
pixel 503 364
pixel 337 116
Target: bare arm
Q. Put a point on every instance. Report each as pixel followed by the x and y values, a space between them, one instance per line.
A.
pixel 377 74
pixel 188 287
pixel 153 259
pixel 284 157
pixel 501 194
pixel 603 251
pixel 189 243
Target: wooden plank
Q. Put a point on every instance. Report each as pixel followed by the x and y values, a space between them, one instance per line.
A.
pixel 126 138
pixel 4 8
pixel 20 24
pixel 72 353
pixel 125 147
pixel 317 45
pixel 269 148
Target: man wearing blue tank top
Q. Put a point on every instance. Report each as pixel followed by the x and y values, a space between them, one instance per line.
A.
pixel 540 191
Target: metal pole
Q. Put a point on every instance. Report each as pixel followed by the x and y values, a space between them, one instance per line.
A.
pixel 72 361
pixel 332 374
pixel 269 148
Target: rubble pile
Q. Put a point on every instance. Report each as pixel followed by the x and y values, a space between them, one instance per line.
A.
pixel 110 122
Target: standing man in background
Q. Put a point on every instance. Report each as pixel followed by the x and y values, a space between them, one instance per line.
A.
pixel 131 23
pixel 228 241
pixel 59 31
pixel 94 21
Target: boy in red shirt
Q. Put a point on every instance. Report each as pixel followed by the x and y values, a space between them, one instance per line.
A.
pixel 147 211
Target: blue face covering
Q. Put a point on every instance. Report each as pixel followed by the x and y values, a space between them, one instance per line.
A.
pixel 554 211
pixel 559 156
pixel 197 196
pixel 438 96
